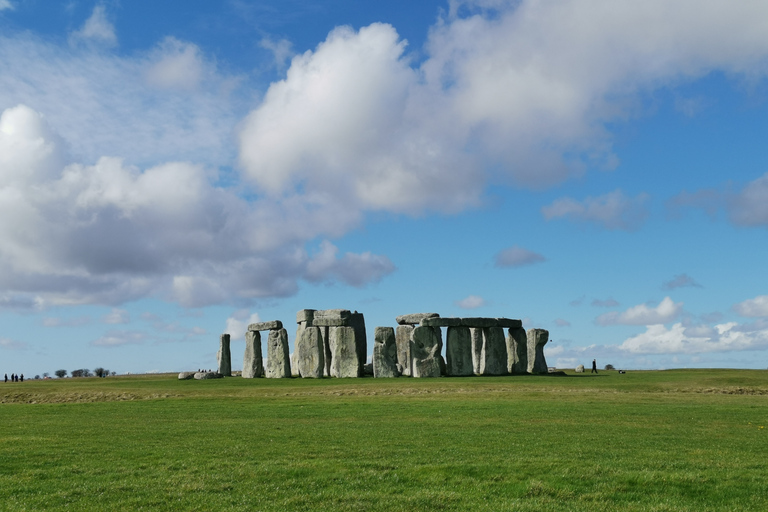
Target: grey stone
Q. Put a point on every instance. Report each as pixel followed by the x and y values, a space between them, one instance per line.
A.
pixel 327 349
pixel 330 321
pixel 310 356
pixel 208 375
pixel 537 338
pixel 344 362
pixel 384 353
pixel 253 359
pixel 441 322
pixel 368 369
pixel 399 368
pixel 579 369
pixel 186 375
pixel 477 348
pixel 403 341
pixel 517 351
pixel 266 326
pixel 294 364
pixel 305 315
pixel 414 318
pixel 479 322
pixel 509 323
pixel 458 351
pixel 493 356
pixel 332 313
pixel 278 357
pixel 426 345
pixel 224 356
pixel 357 322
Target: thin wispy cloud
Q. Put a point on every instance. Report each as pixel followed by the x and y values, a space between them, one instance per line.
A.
pixel 614 210
pixel 681 281
pixel 471 302
pixel 517 256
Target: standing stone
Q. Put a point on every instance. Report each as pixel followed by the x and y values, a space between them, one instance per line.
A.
pixel 517 351
pixel 310 356
pixel 294 364
pixel 477 348
pixel 224 357
pixel 278 358
pixel 253 361
pixel 579 369
pixel 537 338
pixel 384 353
pixel 345 363
pixel 493 356
pixel 403 342
pixel 357 322
pixel 425 352
pixel 458 351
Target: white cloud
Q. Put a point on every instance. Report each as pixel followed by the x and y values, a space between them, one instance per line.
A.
pixel 352 269
pixel 282 50
pixel 517 256
pixel 10 344
pixel 176 64
pixel 117 316
pixel 97 28
pixel 612 211
pixel 471 302
pixel 757 307
pixel 681 281
pixel 239 322
pixel 120 338
pixel 657 339
pixel 6 4
pixel 642 314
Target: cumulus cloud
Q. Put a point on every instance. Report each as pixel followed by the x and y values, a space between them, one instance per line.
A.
pixel 237 324
pixel 353 269
pixel 681 281
pixel 642 314
pixel 97 29
pixel 471 302
pixel 757 307
pixel 657 339
pixel 610 302
pixel 612 211
pixel 517 256
pixel 176 64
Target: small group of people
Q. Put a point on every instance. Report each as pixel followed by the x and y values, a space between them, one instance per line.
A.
pixel 15 378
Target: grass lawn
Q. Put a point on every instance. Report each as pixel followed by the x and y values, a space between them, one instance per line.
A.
pixel 667 440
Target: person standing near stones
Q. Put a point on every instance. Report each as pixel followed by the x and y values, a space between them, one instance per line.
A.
pixel 594 366
pixel 6 377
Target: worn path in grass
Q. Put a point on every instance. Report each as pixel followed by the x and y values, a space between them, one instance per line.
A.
pixel 673 440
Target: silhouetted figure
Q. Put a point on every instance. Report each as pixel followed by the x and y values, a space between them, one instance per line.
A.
pixel 594 366
pixel 6 377
pixel 22 377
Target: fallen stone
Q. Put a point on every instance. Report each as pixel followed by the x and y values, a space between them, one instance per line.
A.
pixel 186 375
pixel 384 353
pixel 224 356
pixel 509 323
pixel 537 338
pixel 310 356
pixel 441 322
pixel 517 351
pixel 208 375
pixel 493 356
pixel 479 323
pixel 426 345
pixel 579 369
pixel 345 363
pixel 278 357
pixel 403 341
pixel 305 315
pixel 253 360
pixel 414 318
pixel 458 351
pixel 266 326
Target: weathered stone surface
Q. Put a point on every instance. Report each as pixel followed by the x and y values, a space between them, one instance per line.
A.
pixel 294 364
pixel 330 321
pixel 305 315
pixel 266 326
pixel 278 357
pixel 479 323
pixel 332 313
pixel 477 348
pixel 517 351
pixel 458 351
pixel 208 375
pixel 441 322
pixel 253 359
pixel 224 356
pixel 403 342
pixel 537 338
pixel 426 345
pixel 493 356
pixel 399 368
pixel 509 323
pixel 344 362
pixel 579 369
pixel 186 375
pixel 310 356
pixel 357 322
pixel 384 353
pixel 368 369
pixel 414 318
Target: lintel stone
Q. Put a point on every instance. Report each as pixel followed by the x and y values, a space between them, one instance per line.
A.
pixel 441 322
pixel 414 318
pixel 480 323
pixel 274 325
pixel 509 323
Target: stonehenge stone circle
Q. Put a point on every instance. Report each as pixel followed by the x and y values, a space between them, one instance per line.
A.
pixel 278 358
pixel 493 355
pixel 310 354
pixel 414 318
pixel 403 342
pixel 458 351
pixel 517 351
pixel 537 338
pixel 186 375
pixel 425 352
pixel 441 322
pixel 224 357
pixel 480 322
pixel 345 362
pixel 253 361
pixel 274 325
pixel 384 353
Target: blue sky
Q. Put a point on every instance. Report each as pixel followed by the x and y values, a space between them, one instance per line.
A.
pixel 171 171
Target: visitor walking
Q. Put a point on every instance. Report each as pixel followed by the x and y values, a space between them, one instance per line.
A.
pixel 6 377
pixel 594 366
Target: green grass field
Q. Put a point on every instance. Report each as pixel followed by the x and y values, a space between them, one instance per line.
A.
pixel 668 440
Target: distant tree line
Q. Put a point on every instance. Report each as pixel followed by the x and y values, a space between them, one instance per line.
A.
pixel 84 372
